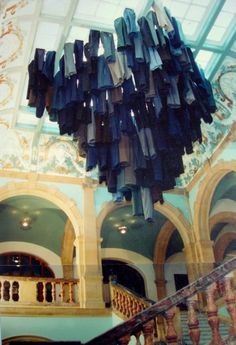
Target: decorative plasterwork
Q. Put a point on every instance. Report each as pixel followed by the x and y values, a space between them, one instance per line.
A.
pixel 6 89
pixel 59 156
pixel 11 43
pixel 224 117
pixel 14 149
pixel 10 7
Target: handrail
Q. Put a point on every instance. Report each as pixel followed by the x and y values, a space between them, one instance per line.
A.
pixel 41 279
pixel 136 322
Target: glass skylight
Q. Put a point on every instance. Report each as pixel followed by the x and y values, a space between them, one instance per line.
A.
pixel 216 34
pixel 189 27
pixel 78 33
pixel 195 13
pixel 203 58
pixel 47 36
pixel 61 7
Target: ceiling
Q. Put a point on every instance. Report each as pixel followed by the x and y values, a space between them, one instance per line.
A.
pixel 42 232
pixel 31 144
pixel 140 237
pixel 208 25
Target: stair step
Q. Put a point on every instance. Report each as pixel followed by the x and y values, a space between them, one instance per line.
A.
pixel 205 329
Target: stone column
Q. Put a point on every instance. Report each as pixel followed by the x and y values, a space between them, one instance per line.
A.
pixel 205 253
pixel 87 254
pixel 191 262
pixel 160 280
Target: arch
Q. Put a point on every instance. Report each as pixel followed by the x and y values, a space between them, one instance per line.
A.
pixel 175 216
pixel 23 338
pixel 170 212
pixel 52 259
pixel 108 208
pixel 205 193
pixel 49 193
pixel 221 244
pixel 222 217
pixel 139 262
pixel 162 241
pixel 223 205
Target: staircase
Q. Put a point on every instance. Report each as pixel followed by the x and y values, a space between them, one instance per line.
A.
pixel 205 329
pixel 156 322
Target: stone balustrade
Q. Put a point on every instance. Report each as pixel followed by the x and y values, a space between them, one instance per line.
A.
pixel 126 305
pixel 36 291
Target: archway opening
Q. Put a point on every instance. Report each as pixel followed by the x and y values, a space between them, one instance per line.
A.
pixel 121 273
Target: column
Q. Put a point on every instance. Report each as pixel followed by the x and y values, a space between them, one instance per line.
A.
pixel 87 255
pixel 160 280
pixel 205 253
pixel 191 262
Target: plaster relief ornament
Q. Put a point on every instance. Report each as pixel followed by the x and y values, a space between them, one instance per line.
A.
pixel 9 8
pixel 11 43
pixel 6 89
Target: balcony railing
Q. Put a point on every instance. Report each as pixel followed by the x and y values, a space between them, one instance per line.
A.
pixel 38 291
pixel 147 320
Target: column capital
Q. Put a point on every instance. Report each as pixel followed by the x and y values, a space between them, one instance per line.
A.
pixel 89 183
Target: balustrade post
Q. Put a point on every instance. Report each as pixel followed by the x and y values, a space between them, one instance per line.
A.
pixel 137 336
pixel 10 291
pixel 230 300
pixel 71 292
pixel 148 333
pixel 62 291
pixel 212 314
pixel 193 323
pixel 171 334
pixel 128 307
pixel 160 324
pixel 53 292
pixel 120 300
pixel 124 340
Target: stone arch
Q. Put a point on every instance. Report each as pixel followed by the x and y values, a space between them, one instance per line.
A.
pixel 52 194
pixel 176 220
pixel 222 217
pixel 23 338
pixel 205 193
pixel 172 213
pixel 221 244
pixel 108 208
pixel 175 216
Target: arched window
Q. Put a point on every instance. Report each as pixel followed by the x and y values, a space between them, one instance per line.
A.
pixel 22 264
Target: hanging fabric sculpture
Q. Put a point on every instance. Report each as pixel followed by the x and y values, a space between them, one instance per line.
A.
pixel 135 109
